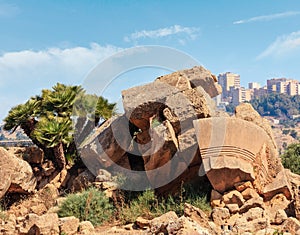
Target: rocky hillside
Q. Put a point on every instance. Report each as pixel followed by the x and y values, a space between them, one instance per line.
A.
pixel 170 135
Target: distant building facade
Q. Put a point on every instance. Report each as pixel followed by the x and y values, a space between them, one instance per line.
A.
pixel 228 81
pixel 283 86
pixel 233 93
pixel 240 95
pixel 253 85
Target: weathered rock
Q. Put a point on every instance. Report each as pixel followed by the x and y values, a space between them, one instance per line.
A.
pixel 277 203
pixel 33 154
pixel 68 225
pixel 107 145
pixel 217 203
pixel 295 182
pixel 45 224
pixel 229 156
pixel 176 79
pixel 103 176
pixel 246 112
pixel 142 222
pixel 61 179
pixel 249 193
pixel 233 197
pixel 241 186
pixel 220 215
pixel 291 225
pixel 184 226
pixel 163 147
pixel 140 106
pixel 196 77
pixel 86 228
pixel 252 203
pixel 8 224
pixel 216 199
pixel 254 213
pixel 159 224
pixel 242 226
pixel 267 231
pixel 197 215
pixel 82 181
pixel 233 208
pixel 280 217
pixel 215 195
pixel 16 174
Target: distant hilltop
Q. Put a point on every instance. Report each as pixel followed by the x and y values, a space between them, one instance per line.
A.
pixel 18 134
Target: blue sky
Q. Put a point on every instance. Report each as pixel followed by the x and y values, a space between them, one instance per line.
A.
pixel 44 42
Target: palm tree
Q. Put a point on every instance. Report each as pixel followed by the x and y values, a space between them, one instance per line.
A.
pixel 89 111
pixel 55 133
pixel 23 115
pixel 60 101
pixel 47 119
pixel 104 110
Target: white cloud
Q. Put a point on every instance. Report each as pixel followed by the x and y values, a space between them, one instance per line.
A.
pixel 283 45
pixel 9 10
pixel 190 33
pixel 25 73
pixel 268 17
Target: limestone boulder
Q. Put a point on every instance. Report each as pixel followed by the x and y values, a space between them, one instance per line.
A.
pixel 142 222
pixel 280 217
pixel 252 203
pixel 233 197
pixel 86 228
pixel 33 154
pixel 186 225
pixel 246 112
pixel 197 76
pixel 68 225
pixel 160 224
pixel 241 186
pixel 249 193
pixel 140 106
pixel 198 216
pixel 220 215
pixel 291 225
pixel 294 180
pixel 84 180
pixel 243 226
pixel 38 203
pixel 16 174
pixel 229 154
pixel 159 154
pixel 107 145
pixel 44 224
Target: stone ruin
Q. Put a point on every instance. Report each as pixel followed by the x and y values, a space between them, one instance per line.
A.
pixel 171 133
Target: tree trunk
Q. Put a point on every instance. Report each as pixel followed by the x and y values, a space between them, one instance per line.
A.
pixel 59 155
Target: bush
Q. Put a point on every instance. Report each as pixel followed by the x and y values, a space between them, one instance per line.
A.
pixel 148 205
pixel 3 215
pixel 291 158
pixel 91 205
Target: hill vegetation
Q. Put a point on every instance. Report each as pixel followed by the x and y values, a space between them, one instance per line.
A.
pixel 277 105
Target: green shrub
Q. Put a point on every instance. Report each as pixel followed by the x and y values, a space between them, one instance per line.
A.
pixel 148 205
pixel 291 158
pixel 3 215
pixel 91 205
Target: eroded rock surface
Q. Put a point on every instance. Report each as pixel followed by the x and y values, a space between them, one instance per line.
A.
pixel 16 174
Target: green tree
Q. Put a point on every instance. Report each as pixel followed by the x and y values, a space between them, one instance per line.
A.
pixel 294 134
pixel 291 158
pixel 55 133
pixel 47 119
